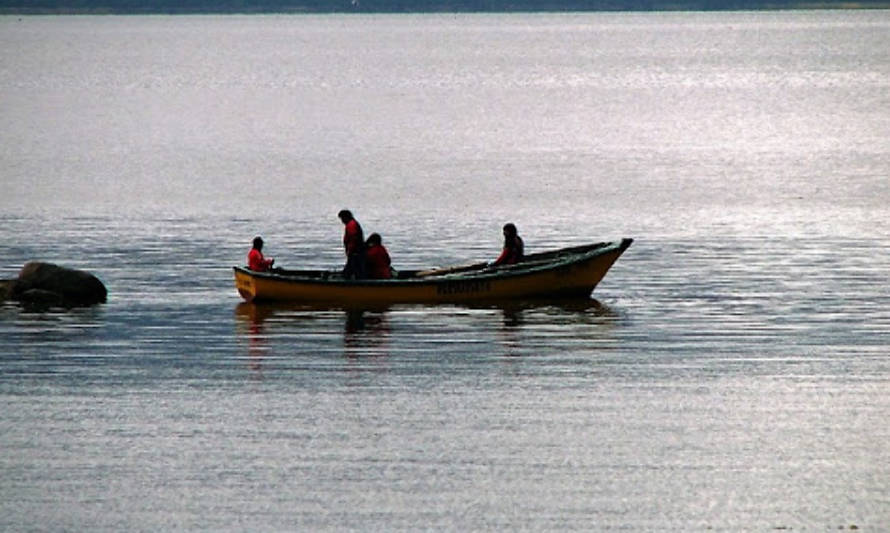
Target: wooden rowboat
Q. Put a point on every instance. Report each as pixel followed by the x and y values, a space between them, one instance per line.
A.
pixel 568 272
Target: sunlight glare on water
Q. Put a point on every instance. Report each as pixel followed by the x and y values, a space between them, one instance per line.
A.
pixel 729 373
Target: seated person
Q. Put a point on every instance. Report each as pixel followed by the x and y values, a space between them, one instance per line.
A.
pixel 255 259
pixel 514 249
pixel 377 258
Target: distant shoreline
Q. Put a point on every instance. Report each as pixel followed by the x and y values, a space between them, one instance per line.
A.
pixel 401 7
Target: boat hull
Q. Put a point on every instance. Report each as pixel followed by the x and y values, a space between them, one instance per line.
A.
pixel 568 275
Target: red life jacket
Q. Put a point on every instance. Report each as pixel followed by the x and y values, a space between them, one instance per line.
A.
pixel 353 237
pixel 256 261
pixel 378 262
pixel 512 253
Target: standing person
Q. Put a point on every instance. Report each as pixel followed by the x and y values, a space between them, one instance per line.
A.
pixel 255 259
pixel 377 258
pixel 514 248
pixel 354 245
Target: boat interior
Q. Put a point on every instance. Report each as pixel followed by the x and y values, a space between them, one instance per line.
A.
pixel 530 261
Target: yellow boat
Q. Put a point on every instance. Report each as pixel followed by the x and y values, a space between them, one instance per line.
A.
pixel 568 272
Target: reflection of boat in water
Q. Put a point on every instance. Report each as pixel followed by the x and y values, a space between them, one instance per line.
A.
pixel 358 317
pixel 568 272
pixel 586 306
pixel 257 313
pixel 556 310
pixel 367 330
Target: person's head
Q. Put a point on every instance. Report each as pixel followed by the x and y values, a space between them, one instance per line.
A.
pixel 258 243
pixel 509 230
pixel 345 215
pixel 374 240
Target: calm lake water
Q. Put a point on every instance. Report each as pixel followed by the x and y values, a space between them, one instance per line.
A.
pixel 732 372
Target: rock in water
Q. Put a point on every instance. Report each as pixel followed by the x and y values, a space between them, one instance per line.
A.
pixel 5 288
pixel 72 287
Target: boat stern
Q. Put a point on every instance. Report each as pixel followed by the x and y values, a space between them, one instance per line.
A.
pixel 245 284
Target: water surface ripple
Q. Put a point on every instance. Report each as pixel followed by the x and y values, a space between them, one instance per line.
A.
pixel 730 373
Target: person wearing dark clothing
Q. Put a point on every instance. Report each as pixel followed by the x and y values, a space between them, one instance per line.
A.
pixel 377 258
pixel 514 248
pixel 255 259
pixel 354 246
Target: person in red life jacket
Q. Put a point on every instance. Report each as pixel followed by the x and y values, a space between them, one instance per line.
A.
pixel 255 259
pixel 354 245
pixel 514 248
pixel 377 258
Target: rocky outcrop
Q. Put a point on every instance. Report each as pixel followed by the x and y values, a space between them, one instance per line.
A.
pixel 46 284
pixel 5 288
